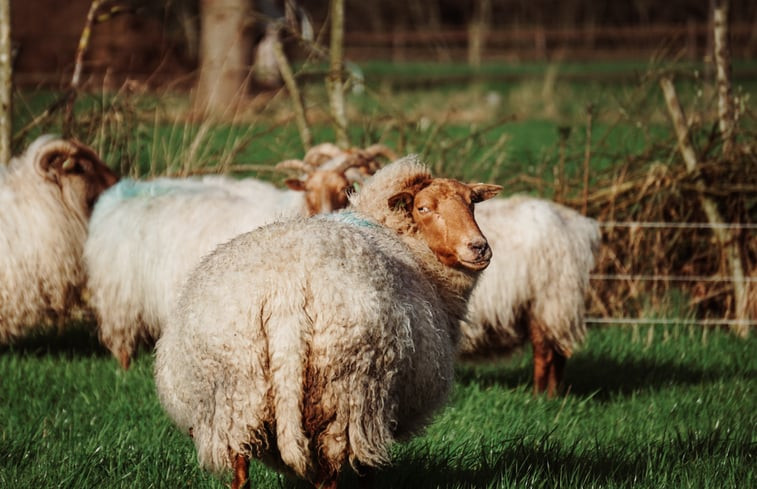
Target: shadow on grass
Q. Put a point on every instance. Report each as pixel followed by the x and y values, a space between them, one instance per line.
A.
pixel 75 340
pixel 528 462
pixel 601 375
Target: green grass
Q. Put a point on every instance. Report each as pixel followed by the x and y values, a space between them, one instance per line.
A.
pixel 678 409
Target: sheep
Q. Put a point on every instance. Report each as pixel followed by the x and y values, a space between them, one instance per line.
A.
pixel 46 196
pixel 328 189
pixel 145 237
pixel 311 343
pixel 535 288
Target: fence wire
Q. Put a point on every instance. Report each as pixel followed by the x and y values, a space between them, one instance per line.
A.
pixel 709 322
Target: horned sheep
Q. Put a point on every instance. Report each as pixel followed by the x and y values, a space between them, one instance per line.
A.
pixel 46 195
pixel 534 290
pixel 146 236
pixel 312 343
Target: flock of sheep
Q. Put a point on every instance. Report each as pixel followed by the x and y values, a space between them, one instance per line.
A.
pixel 307 327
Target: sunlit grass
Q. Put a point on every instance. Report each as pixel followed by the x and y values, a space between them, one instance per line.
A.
pixel 676 410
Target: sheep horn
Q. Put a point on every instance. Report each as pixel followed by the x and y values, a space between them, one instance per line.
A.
pixel 45 155
pixel 349 160
pixel 321 153
pixel 380 150
pixel 296 165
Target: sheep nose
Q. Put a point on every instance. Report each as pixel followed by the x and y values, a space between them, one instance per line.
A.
pixel 481 248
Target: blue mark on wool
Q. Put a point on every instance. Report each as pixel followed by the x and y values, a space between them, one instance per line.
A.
pixel 352 218
pixel 129 189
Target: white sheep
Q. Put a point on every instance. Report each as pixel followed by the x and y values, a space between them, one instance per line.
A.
pixel 145 238
pixel 46 197
pixel 534 290
pixel 311 343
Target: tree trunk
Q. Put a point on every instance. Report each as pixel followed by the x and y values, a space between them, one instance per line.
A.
pixel 726 113
pixel 224 55
pixel 6 83
pixel 334 82
pixel 478 31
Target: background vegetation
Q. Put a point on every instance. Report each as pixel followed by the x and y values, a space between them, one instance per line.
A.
pixel 647 406
pixel 663 404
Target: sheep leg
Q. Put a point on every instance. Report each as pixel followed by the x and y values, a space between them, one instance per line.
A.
pixel 124 358
pixel 327 484
pixel 325 478
pixel 240 466
pixel 556 372
pixel 543 359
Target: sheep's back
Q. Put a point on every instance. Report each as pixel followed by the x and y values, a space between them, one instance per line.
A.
pixel 143 244
pixel 539 270
pixel 353 299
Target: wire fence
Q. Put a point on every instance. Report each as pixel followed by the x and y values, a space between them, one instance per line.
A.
pixel 657 278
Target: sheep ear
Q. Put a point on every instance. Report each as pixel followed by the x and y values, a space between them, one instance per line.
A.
pixel 295 184
pixel 401 201
pixel 483 191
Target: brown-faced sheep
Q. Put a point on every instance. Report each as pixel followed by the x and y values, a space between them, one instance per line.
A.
pixel 315 342
pixel 46 198
pixel 330 172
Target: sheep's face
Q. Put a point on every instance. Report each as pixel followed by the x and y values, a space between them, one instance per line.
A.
pixel 77 171
pixel 325 190
pixel 442 211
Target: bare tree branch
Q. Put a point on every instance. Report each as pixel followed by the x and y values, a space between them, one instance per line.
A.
pixel 81 50
pixel 725 237
pixel 726 113
pixel 294 93
pixel 335 82
pixel 6 83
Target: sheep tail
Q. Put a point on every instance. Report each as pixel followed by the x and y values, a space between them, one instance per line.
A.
pixel 369 432
pixel 287 356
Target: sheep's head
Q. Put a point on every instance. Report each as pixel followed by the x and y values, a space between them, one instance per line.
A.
pixel 325 190
pixel 330 173
pixel 442 211
pixel 77 171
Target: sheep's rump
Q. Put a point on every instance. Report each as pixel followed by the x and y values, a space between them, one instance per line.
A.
pixel 40 261
pixel 145 238
pixel 542 256
pixel 314 338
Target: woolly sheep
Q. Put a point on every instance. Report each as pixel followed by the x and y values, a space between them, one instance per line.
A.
pixel 310 343
pixel 534 290
pixel 46 197
pixel 145 238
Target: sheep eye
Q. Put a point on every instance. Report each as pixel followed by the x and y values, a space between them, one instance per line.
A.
pixel 422 209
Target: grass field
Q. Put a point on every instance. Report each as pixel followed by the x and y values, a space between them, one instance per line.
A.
pixel 654 407
pixel 651 409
